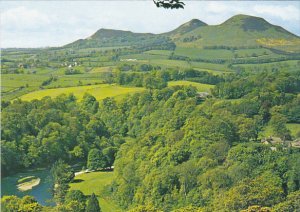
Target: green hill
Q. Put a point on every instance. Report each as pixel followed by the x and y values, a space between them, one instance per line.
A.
pixel 240 31
pixel 118 38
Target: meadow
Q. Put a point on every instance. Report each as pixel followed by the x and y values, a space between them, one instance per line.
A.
pixel 95 182
pixel 98 91
pixel 101 91
pixel 200 86
pixel 184 64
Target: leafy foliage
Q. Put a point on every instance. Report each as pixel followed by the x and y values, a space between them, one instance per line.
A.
pixel 93 204
pixel 169 4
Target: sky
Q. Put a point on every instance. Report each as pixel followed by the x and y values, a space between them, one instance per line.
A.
pixel 56 23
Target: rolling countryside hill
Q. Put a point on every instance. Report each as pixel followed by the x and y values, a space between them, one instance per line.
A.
pixel 240 31
pixel 110 37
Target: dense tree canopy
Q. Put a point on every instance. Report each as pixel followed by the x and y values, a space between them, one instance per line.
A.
pixel 171 148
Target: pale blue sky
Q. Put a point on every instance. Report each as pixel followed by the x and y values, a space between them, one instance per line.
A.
pixel 55 23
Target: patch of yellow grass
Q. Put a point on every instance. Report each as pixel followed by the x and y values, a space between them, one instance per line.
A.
pixel 99 91
pixel 277 42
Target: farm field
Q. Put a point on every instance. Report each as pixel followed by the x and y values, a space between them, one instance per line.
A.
pixel 95 182
pixel 159 52
pixel 102 91
pixel 204 53
pixel 143 56
pixel 283 65
pixel 224 54
pixel 200 86
pixel 185 64
pixel 12 81
pixel 104 69
pixel 99 91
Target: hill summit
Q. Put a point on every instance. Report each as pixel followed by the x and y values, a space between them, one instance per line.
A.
pixel 186 27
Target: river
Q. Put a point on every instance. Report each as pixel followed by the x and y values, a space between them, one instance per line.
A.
pixel 41 192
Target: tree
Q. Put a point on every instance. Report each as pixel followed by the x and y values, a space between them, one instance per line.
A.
pixel 62 174
pixel 292 203
pixel 152 82
pixel 13 203
pixel 75 199
pixel 278 123
pixel 96 160
pixel 90 103
pixel 75 195
pixel 93 204
pixel 169 4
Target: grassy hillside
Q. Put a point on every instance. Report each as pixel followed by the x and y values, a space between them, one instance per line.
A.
pixel 110 37
pixel 242 31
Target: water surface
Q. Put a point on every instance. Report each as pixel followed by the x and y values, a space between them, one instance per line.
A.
pixel 41 192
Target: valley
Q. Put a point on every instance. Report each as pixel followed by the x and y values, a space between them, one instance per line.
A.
pixel 200 118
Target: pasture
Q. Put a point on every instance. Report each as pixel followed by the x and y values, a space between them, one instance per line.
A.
pixel 185 64
pixel 200 86
pixel 204 53
pixel 98 91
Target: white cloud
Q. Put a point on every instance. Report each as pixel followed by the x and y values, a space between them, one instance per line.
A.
pixel 55 23
pixel 23 18
pixel 288 12
pixel 217 7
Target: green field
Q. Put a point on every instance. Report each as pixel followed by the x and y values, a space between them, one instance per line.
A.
pixel 159 52
pixel 102 91
pixel 143 56
pixel 99 91
pixel 283 65
pixel 204 53
pixel 200 86
pixel 94 183
pixel 104 69
pixel 224 54
pixel 293 127
pixel 185 64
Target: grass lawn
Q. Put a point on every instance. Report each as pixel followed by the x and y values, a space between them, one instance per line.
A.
pixel 94 182
pixel 99 91
pixel 200 86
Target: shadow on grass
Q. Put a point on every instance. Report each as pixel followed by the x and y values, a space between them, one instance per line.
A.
pixel 104 170
pixel 77 180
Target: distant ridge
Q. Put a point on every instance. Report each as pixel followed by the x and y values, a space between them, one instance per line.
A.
pixel 238 31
